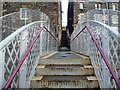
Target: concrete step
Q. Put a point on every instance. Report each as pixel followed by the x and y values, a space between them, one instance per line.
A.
pixel 67 61
pixel 64 82
pixel 64 49
pixel 64 70
pixel 66 54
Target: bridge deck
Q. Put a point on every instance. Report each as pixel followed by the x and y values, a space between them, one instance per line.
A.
pixel 64 55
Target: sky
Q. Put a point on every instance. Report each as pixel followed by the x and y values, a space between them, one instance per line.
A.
pixel 64 14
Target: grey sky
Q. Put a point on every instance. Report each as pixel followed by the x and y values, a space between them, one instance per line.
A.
pixel 64 14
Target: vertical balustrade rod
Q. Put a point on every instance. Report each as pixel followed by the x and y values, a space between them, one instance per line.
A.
pixel 21 62
pixel 105 59
pixel 102 54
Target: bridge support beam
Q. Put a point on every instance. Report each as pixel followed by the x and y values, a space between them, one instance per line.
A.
pixel 2 58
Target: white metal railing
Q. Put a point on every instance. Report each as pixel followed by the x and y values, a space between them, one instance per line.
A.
pixel 105 16
pixel 109 42
pixel 12 22
pixel 14 47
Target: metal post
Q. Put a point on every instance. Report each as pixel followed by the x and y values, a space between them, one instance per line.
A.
pixel 0 29
pixel 48 37
pixel 23 69
pixel 119 61
pixel 104 16
pixel 1 8
pixel 25 17
pixel 105 48
pixel 41 36
pixel 108 11
pixel 88 42
pixel 52 48
pixel 2 71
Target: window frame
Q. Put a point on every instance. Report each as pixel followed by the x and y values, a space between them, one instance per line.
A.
pixel 99 6
pixel 96 6
pixel 81 3
pixel 115 6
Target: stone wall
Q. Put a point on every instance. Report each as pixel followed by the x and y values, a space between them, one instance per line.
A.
pixel 49 8
pixel 78 13
pixel 0 8
pixel 70 18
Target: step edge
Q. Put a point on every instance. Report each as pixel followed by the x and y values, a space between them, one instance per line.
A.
pixel 64 68
pixel 41 76
pixel 84 66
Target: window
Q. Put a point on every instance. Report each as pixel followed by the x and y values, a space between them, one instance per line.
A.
pixel 23 13
pixel 98 17
pixel 115 19
pixel 81 17
pixel 81 5
pixel 98 6
pixel 95 6
pixel 114 7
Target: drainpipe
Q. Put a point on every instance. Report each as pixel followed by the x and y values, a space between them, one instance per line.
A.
pixel 119 17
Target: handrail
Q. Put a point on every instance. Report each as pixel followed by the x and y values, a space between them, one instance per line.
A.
pixel 51 34
pixel 7 85
pixel 11 36
pixel 8 15
pixel 106 26
pixel 78 34
pixel 102 54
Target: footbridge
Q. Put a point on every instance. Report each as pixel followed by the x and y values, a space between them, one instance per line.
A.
pixel 29 55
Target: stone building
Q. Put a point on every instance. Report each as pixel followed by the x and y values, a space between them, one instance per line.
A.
pixel 51 9
pixel 83 6
pixel 70 17
pixel 0 8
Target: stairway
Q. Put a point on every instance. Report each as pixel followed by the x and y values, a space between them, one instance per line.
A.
pixel 64 69
pixel 64 39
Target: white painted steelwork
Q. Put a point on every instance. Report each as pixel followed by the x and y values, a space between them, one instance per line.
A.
pixel 12 22
pixel 108 40
pixel 106 16
pixel 15 45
